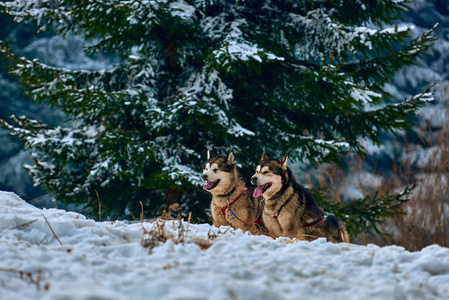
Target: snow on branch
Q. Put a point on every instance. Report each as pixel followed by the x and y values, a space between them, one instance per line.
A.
pixel 182 9
pixel 365 35
pixel 322 35
pixel 170 152
pixel 41 12
pixel 234 46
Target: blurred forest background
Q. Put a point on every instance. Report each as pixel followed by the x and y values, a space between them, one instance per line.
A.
pixel 416 156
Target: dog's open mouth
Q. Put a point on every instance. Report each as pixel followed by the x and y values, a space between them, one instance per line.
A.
pixel 261 189
pixel 211 185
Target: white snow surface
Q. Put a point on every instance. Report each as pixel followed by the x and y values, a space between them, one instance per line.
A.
pixel 106 260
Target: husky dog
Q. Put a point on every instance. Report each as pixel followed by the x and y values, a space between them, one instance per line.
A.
pixel 290 209
pixel 232 202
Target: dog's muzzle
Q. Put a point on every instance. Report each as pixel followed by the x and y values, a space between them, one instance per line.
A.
pixel 254 180
pixel 204 177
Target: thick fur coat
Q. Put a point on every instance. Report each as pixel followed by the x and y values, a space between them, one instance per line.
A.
pixel 232 202
pixel 290 210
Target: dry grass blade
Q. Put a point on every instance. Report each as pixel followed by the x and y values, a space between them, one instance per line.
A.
pixel 52 230
pixel 188 223
pixel 99 205
pixel 181 231
pixel 141 213
pixel 24 225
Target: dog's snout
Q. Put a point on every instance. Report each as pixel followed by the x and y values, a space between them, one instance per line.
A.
pixel 254 180
pixel 204 177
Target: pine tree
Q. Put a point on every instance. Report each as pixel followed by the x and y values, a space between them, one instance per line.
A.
pixel 49 49
pixel 299 77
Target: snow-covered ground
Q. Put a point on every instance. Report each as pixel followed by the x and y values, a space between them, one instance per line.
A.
pixel 108 260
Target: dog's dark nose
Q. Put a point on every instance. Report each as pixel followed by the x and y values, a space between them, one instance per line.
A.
pixel 254 180
pixel 204 177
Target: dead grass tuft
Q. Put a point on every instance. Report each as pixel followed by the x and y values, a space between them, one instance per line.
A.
pixel 157 234
pixel 33 278
pixel 166 215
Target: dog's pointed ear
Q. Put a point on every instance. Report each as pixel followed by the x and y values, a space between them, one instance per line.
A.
pixel 264 156
pixel 283 161
pixel 230 159
pixel 210 154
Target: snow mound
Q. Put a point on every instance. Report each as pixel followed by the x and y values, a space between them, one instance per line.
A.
pixel 84 259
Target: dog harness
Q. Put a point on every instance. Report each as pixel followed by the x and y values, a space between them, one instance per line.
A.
pixel 258 219
pixel 316 222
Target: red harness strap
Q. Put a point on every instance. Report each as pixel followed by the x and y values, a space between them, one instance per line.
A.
pixel 258 220
pixel 316 222
pixel 223 209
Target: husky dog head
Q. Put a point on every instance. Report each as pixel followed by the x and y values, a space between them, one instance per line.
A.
pixel 271 177
pixel 219 173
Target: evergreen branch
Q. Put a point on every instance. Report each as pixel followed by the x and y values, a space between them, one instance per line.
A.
pixel 380 68
pixel 368 214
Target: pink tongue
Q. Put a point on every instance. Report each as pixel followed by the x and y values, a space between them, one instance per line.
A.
pixel 208 185
pixel 258 191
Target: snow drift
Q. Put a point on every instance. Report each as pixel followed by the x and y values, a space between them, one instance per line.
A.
pixel 84 259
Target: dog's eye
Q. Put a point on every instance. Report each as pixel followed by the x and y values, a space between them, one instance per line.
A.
pixel 215 170
pixel 265 172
